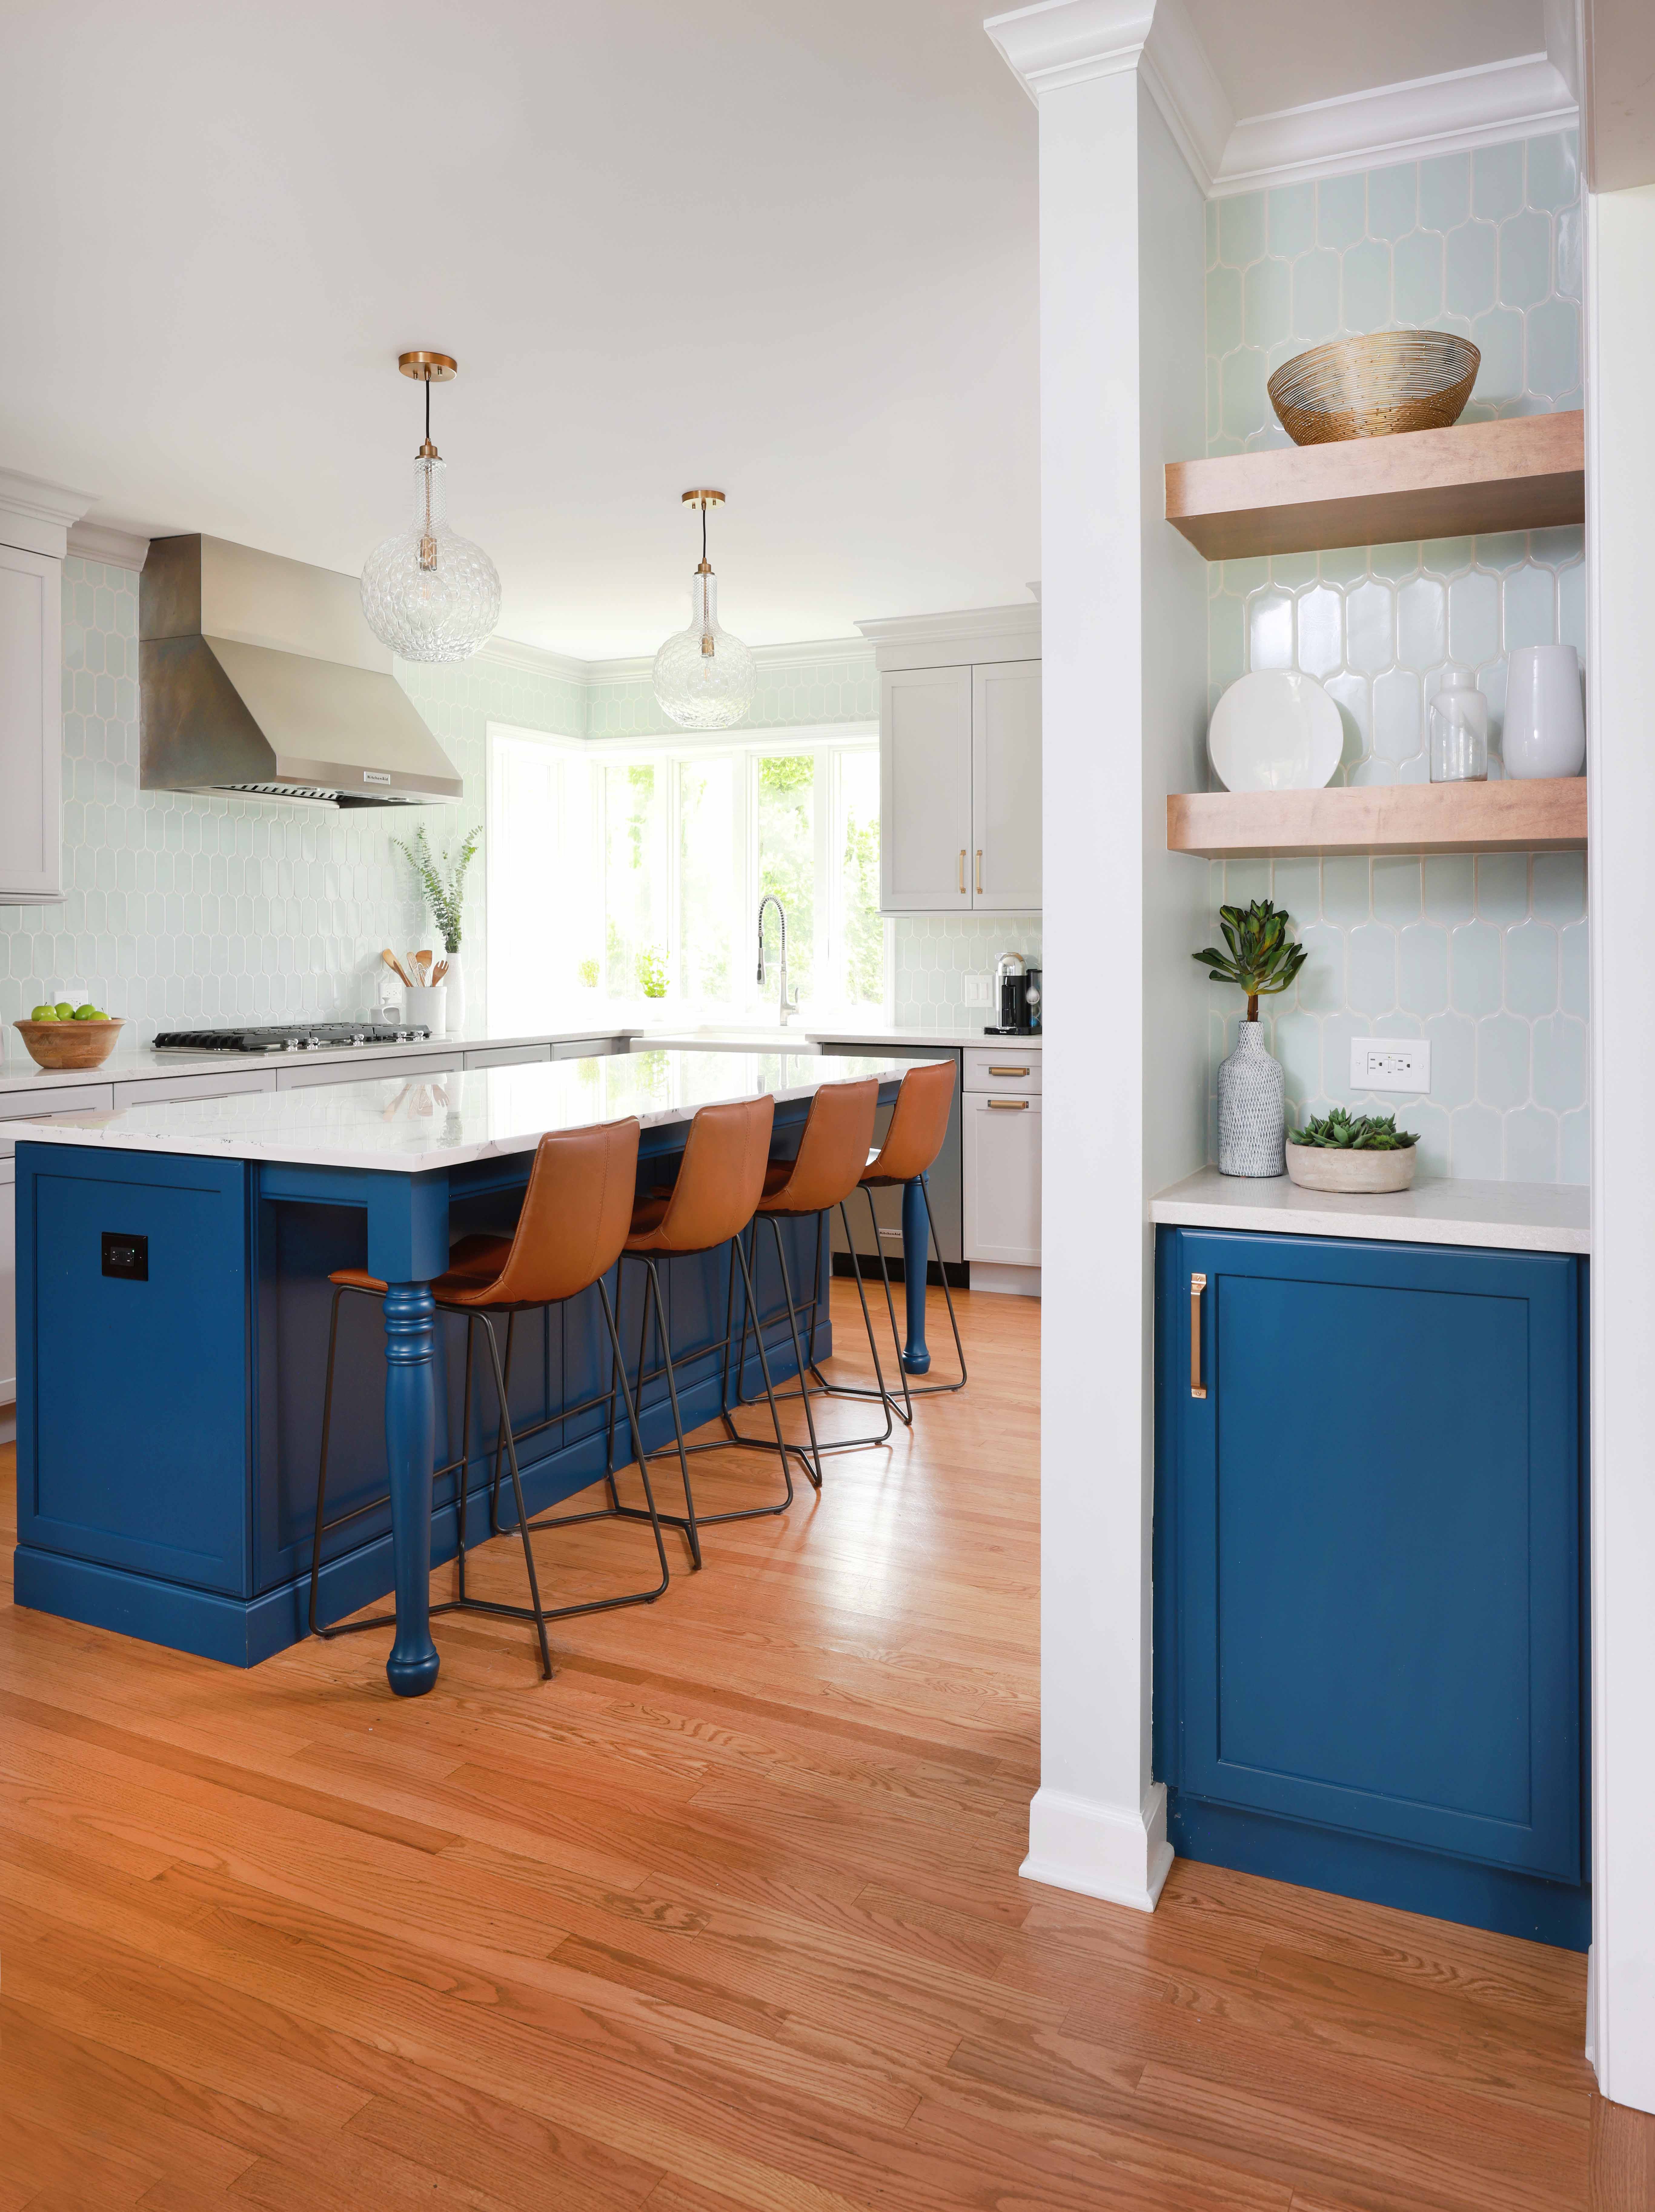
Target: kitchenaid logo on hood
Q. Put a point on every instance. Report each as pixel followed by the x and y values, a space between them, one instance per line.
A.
pixel 374 775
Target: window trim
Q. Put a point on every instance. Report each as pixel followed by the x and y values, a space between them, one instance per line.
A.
pixel 826 741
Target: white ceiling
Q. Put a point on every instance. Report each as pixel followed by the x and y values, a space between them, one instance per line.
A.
pixel 788 249
pixel 1272 54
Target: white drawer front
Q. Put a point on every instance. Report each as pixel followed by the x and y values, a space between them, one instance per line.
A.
pixel 156 1090
pixel 1013 1069
pixel 591 1048
pixel 1002 1180
pixel 507 1055
pixel 372 1068
pixel 45 1105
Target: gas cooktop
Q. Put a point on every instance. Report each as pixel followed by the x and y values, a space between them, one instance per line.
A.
pixel 292 1036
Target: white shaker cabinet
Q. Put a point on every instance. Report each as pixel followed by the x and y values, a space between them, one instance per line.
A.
pixel 34 525
pixel 960 761
pixel 31 740
pixel 1001 1164
pixel 924 790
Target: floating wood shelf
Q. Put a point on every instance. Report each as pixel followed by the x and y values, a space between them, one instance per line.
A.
pixel 1525 473
pixel 1547 817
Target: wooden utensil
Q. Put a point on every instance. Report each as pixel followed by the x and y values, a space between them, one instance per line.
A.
pixel 396 968
pixel 422 959
pixel 438 971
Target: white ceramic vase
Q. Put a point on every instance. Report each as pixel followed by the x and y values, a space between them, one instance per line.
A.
pixel 1253 1119
pixel 454 984
pixel 1545 719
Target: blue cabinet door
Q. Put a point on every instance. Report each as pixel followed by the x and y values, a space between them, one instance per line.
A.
pixel 1371 1548
pixel 133 1389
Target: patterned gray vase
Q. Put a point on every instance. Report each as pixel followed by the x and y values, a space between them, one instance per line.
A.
pixel 1253 1119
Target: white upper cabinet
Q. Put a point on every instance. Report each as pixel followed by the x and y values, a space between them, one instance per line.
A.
pixel 960 761
pixel 35 520
pixel 924 790
pixel 1005 787
pixel 31 742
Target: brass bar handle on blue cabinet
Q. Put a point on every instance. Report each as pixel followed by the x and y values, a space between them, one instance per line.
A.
pixel 1197 1387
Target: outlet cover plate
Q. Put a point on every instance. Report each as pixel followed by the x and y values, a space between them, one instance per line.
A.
pixel 979 990
pixel 1390 1064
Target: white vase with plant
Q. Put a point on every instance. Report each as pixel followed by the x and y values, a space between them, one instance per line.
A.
pixel 1262 961
pixel 443 882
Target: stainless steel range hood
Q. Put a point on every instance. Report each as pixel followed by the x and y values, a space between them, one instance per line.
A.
pixel 259 675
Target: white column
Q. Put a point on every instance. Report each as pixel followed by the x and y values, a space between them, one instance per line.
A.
pixel 1123 670
pixel 1620 800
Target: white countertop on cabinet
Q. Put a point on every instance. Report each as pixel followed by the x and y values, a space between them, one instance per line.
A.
pixel 1513 1217
pixel 876 1040
pixel 414 1123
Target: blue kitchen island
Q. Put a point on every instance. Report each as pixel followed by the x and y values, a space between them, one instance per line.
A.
pixel 172 1316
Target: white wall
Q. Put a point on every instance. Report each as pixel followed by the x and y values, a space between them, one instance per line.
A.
pixel 1123 629
pixel 1620 797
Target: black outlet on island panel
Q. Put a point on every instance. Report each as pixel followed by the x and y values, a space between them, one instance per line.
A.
pixel 125 1257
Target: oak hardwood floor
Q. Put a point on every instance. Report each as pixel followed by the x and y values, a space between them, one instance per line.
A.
pixel 726 1918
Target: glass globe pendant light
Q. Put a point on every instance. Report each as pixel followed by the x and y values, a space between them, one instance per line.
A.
pixel 704 676
pixel 428 593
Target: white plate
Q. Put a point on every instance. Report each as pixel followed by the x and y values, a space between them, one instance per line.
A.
pixel 1275 730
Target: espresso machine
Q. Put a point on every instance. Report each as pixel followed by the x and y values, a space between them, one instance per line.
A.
pixel 1018 997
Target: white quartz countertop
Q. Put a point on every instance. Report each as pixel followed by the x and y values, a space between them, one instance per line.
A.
pixel 876 1040
pixel 1514 1217
pixel 414 1123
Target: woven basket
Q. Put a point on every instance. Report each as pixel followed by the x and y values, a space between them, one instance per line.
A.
pixel 1370 387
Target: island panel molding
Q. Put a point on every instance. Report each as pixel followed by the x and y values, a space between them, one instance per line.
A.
pixel 1547 815
pixel 1523 472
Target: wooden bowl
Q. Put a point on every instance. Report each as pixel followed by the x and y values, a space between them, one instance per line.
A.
pixel 1324 1167
pixel 1374 386
pixel 69 1044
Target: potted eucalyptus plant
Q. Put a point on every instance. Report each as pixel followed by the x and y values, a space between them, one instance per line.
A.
pixel 1263 960
pixel 443 882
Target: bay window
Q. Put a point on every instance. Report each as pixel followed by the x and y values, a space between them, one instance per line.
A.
pixel 631 873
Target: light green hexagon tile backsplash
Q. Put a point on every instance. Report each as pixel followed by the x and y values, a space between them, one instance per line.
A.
pixel 1487 959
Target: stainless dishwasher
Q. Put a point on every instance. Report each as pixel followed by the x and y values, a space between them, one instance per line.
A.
pixel 947 1188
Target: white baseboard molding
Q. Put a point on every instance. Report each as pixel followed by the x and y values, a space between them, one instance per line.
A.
pixel 1013 1282
pixel 1099 1851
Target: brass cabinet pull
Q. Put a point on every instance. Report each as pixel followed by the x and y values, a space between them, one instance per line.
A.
pixel 979 868
pixel 1008 1071
pixel 1197 1284
pixel 1012 1105
pixel 962 872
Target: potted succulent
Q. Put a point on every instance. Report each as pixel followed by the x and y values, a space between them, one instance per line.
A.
pixel 1345 1152
pixel 1263 960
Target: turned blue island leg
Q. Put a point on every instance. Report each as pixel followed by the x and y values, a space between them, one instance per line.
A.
pixel 408 1249
pixel 916 1261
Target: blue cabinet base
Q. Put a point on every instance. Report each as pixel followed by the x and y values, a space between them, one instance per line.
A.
pixel 1380 1873
pixel 242 1632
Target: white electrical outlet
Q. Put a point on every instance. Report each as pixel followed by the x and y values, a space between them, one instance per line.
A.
pixel 1390 1064
pixel 978 990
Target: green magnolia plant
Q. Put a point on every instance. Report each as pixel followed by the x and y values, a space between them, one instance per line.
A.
pixel 1262 960
pixel 1339 1131
pixel 442 881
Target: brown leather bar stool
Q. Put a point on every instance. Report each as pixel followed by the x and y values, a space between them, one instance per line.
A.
pixel 576 1214
pixel 720 1182
pixel 919 1124
pixel 833 1153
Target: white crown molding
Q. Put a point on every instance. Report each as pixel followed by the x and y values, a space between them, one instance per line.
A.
pixel 772 659
pixel 116 549
pixel 534 659
pixel 35 516
pixel 1449 114
pixel 1064 42
pixel 974 634
pixel 1059 43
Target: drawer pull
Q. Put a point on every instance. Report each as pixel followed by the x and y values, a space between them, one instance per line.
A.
pixel 1018 1071
pixel 1197 1387
pixel 979 869
pixel 962 872
pixel 1008 1105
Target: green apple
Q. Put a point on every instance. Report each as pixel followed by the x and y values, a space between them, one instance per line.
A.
pixel 44 1014
pixel 87 1014
pixel 65 1011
